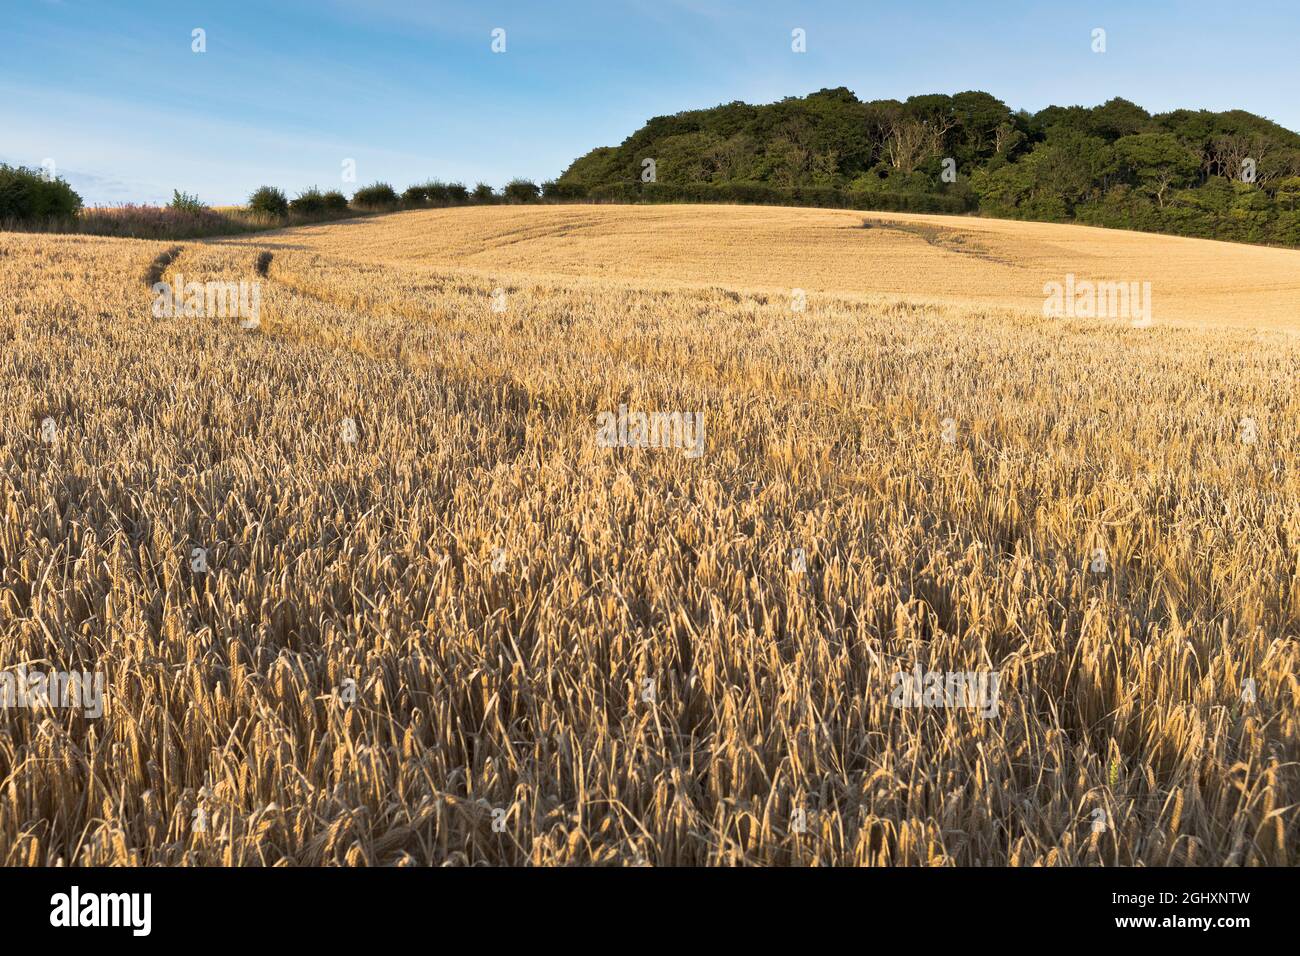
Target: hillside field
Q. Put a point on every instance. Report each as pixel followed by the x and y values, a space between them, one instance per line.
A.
pixel 436 622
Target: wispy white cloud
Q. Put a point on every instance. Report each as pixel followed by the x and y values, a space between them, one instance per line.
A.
pixel 411 89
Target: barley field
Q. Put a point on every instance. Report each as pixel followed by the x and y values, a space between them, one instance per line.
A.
pixel 436 622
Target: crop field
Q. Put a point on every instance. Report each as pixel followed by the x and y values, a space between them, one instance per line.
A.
pixel 376 582
pixel 874 256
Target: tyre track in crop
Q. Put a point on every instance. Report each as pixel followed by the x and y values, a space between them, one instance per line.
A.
pixel 392 329
pixel 161 262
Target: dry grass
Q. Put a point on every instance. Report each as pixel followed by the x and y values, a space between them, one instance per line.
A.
pixel 524 690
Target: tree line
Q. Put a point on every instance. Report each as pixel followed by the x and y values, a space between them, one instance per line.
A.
pixel 1227 175
pixel 34 199
pixel 1224 175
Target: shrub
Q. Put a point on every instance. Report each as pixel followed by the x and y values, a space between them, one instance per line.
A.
pixel 761 193
pixel 521 190
pixel 415 196
pixel 445 193
pixel 309 202
pixel 184 202
pixel 437 191
pixel 335 201
pixel 558 190
pixel 375 196
pixel 28 196
pixel 483 193
pixel 269 200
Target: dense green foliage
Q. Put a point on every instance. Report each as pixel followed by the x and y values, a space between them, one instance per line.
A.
pixel 309 202
pixel 269 200
pixel 415 196
pixel 521 190
pixel 186 202
pixel 441 193
pixel 1229 175
pixel 760 193
pixel 435 193
pixel 375 196
pixel 26 195
pixel 554 189
pixel 334 201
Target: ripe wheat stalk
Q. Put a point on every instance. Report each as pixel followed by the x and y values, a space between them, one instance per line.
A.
pixel 562 653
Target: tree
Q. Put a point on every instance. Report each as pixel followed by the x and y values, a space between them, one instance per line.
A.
pixel 1288 193
pixel 28 195
pixel 919 131
pixel 1112 164
pixel 787 161
pixel 1117 118
pixel 1158 162
pixel 985 124
pixel 912 141
pixel 727 160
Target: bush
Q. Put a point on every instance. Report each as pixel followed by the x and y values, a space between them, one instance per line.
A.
pixel 375 196
pixel 309 202
pixel 483 193
pixel 415 196
pixel 437 191
pixel 557 190
pixel 269 200
pixel 184 202
pixel 521 190
pixel 445 193
pixel 761 193
pixel 335 201
pixel 27 196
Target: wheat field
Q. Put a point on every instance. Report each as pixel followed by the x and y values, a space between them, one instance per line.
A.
pixel 876 257
pixel 437 623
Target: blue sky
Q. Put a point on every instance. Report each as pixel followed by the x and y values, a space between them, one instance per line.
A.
pixel 288 89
